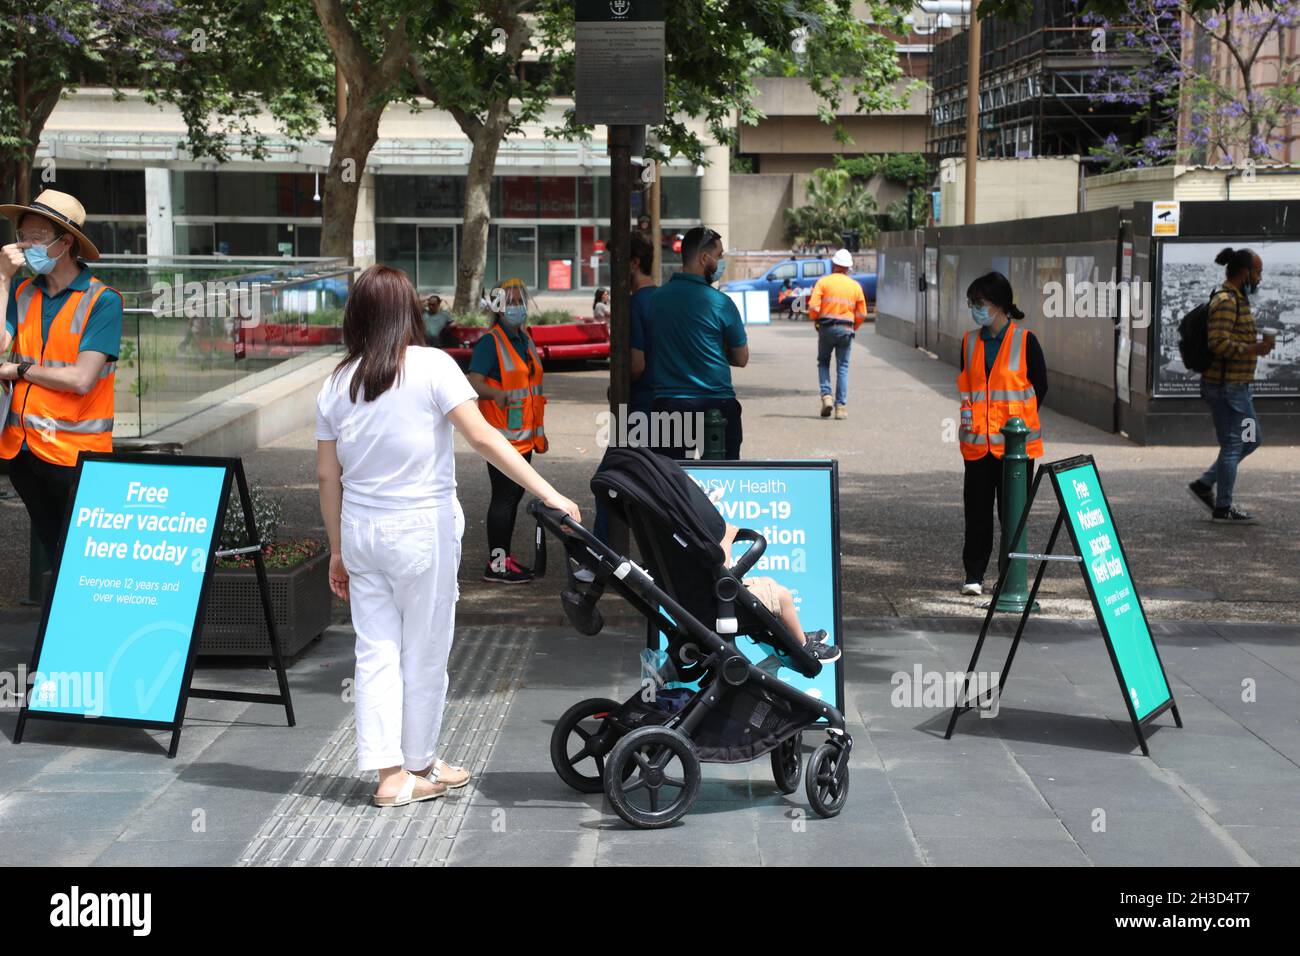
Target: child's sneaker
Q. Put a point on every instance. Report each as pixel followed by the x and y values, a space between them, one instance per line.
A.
pixel 826 653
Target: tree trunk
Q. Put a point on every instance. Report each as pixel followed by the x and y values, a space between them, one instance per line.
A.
pixel 353 140
pixel 474 228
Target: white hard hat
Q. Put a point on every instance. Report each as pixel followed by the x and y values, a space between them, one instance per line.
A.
pixel 843 258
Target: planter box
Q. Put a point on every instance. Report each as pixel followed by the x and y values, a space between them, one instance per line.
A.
pixel 233 622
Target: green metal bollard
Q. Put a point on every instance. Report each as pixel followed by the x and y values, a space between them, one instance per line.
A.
pixel 715 435
pixel 1015 489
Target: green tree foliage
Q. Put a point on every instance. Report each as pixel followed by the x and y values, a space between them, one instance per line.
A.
pixel 223 64
pixel 836 204
pixel 897 168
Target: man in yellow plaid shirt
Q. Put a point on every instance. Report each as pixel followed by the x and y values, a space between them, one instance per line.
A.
pixel 837 306
pixel 1227 385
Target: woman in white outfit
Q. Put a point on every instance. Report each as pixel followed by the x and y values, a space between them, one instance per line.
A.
pixel 387 472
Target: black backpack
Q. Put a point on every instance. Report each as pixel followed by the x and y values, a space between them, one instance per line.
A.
pixel 1194 338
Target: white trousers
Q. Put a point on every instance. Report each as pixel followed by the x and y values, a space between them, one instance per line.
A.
pixel 402 570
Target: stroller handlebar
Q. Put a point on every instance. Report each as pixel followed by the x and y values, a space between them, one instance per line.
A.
pixel 751 556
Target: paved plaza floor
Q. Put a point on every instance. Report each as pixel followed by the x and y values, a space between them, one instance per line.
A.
pixel 1054 778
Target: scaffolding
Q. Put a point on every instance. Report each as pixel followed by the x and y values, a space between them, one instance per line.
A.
pixel 1039 93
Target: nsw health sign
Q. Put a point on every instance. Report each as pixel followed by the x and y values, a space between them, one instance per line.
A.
pixel 121 622
pixel 1114 594
pixel 794 505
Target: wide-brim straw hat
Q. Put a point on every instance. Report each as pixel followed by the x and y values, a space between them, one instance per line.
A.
pixel 62 211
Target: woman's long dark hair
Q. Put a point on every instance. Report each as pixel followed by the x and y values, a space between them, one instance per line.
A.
pixel 382 318
pixel 600 295
pixel 995 289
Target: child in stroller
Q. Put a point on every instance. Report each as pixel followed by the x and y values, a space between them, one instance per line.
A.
pixel 645 752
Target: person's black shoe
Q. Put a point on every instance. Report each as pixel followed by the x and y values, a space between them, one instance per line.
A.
pixel 509 573
pixel 1202 493
pixel 826 653
pixel 1233 515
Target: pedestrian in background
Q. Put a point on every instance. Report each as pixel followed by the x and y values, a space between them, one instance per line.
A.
pixel 65 327
pixel 387 471
pixel 600 306
pixel 436 319
pixel 837 307
pixel 698 337
pixel 1003 376
pixel 506 372
pixel 641 256
pixel 1228 384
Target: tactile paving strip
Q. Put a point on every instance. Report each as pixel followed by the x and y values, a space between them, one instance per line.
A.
pixel 328 819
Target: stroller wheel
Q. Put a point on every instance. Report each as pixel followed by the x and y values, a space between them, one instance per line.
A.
pixel 787 763
pixel 580 742
pixel 827 780
pixel 652 777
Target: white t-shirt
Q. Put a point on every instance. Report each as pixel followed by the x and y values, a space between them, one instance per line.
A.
pixel 397 451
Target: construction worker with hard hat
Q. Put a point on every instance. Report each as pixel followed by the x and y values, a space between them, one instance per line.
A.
pixel 837 307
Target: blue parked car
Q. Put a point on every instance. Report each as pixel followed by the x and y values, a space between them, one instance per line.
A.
pixel 795 275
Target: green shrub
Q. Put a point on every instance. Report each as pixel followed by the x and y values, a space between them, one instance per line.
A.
pixel 267 512
pixel 553 317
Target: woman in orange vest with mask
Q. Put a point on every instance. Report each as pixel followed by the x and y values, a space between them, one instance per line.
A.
pixel 1003 376
pixel 506 371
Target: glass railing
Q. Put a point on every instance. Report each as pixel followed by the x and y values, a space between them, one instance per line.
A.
pixel 199 332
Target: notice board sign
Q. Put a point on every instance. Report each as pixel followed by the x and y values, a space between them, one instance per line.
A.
pixel 120 627
pixel 1114 595
pixel 619 55
pixel 795 506
pixel 1084 512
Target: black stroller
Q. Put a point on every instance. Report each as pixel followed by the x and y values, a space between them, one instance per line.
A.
pixel 645 753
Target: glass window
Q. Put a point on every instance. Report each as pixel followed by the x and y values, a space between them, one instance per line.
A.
pixel 195 240
pixel 586 197
pixel 422 196
pixel 784 271
pixel 811 269
pixel 251 239
pixel 194 193
pixel 519 254
pixel 518 197
pixel 679 197
pixel 555 244
pixel 103 192
pixel 247 194
pixel 437 259
pixel 395 246
pixel 556 197
pixel 114 238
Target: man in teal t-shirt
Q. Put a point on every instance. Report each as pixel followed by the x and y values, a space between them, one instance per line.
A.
pixel 698 337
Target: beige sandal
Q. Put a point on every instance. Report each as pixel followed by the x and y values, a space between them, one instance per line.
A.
pixel 408 795
pixel 444 773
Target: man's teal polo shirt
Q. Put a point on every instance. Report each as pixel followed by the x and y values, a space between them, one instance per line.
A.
pixel 694 328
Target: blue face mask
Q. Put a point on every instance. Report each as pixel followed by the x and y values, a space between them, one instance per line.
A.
pixel 515 315
pixel 980 313
pixel 39 261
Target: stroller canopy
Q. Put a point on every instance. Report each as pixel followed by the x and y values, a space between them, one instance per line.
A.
pixel 658 486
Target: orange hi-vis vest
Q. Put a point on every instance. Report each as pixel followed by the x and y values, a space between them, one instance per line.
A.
pixel 521 421
pixel 838 297
pixel 57 425
pixel 987 405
